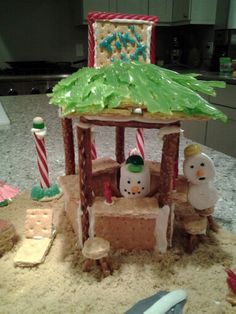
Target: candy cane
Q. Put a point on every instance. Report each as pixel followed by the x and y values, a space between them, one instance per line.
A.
pixel 140 141
pixel 39 131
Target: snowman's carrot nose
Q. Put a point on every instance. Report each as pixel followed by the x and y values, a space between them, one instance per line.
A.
pixel 200 173
pixel 134 189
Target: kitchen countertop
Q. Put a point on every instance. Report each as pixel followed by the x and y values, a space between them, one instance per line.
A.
pixel 217 76
pixel 18 158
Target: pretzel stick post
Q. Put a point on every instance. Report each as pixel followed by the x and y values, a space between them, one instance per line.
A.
pixel 39 131
pixel 93 146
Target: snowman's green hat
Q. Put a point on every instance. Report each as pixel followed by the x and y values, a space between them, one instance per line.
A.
pixel 135 163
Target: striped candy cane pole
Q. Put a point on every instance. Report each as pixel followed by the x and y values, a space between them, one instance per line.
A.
pixel 140 141
pixel 39 132
pixel 93 146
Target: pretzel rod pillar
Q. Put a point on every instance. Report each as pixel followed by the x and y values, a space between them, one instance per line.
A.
pixel 67 132
pixel 85 176
pixel 120 144
pixel 168 161
pixel 176 166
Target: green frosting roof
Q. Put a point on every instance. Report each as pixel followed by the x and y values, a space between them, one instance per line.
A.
pixel 91 90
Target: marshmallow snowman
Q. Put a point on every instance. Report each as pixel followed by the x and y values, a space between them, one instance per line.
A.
pixel 134 178
pixel 200 172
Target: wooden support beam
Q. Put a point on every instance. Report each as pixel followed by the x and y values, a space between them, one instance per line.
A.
pixel 68 139
pixel 85 176
pixel 120 144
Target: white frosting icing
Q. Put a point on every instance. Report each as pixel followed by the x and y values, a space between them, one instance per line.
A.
pixel 79 222
pixel 41 133
pixel 169 130
pixel 131 117
pixel 161 229
pixel 172 218
pixel 91 223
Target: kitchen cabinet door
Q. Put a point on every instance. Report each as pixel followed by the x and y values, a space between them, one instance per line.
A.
pixel 195 130
pixel 181 11
pixel 170 11
pixel 225 96
pixel 221 136
pixel 162 9
pixel 132 6
pixel 203 12
pixel 83 7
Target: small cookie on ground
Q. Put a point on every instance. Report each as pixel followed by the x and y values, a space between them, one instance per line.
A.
pixel 7 236
pixel 38 223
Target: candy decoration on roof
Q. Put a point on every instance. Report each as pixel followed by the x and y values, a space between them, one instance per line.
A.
pixel 162 93
pixel 7 192
pixel 39 131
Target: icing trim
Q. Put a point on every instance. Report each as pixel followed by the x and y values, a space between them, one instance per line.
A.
pixel 161 229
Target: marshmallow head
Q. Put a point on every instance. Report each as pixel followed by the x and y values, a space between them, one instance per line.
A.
pixel 134 184
pixel 199 169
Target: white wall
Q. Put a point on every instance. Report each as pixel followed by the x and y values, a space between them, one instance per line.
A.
pixel 38 30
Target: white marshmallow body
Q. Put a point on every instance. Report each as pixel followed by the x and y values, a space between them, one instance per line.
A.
pixel 200 172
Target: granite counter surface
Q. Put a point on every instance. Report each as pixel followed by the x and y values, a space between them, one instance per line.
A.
pixel 18 158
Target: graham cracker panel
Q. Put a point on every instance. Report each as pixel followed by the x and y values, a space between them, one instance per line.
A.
pixel 121 41
pixel 38 223
pixel 127 233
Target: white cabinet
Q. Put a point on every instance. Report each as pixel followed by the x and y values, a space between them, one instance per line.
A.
pixel 195 130
pixel 132 6
pixel 170 11
pixel 81 8
pixel 221 136
pixel 179 12
pixel 203 11
pixel 217 134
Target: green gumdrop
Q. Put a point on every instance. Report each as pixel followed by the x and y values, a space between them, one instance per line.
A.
pixel 52 190
pixel 37 193
pixel 4 203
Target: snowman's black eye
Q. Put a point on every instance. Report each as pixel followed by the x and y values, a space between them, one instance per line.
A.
pixel 192 166
pixel 142 188
pixel 125 190
pixel 202 164
pixel 139 182
pixel 128 181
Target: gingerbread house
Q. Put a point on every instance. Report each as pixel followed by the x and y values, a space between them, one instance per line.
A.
pixel 122 88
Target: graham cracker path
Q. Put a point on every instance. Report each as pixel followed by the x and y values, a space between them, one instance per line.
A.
pixel 137 275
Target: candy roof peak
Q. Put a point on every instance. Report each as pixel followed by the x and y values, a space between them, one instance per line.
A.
pixel 133 85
